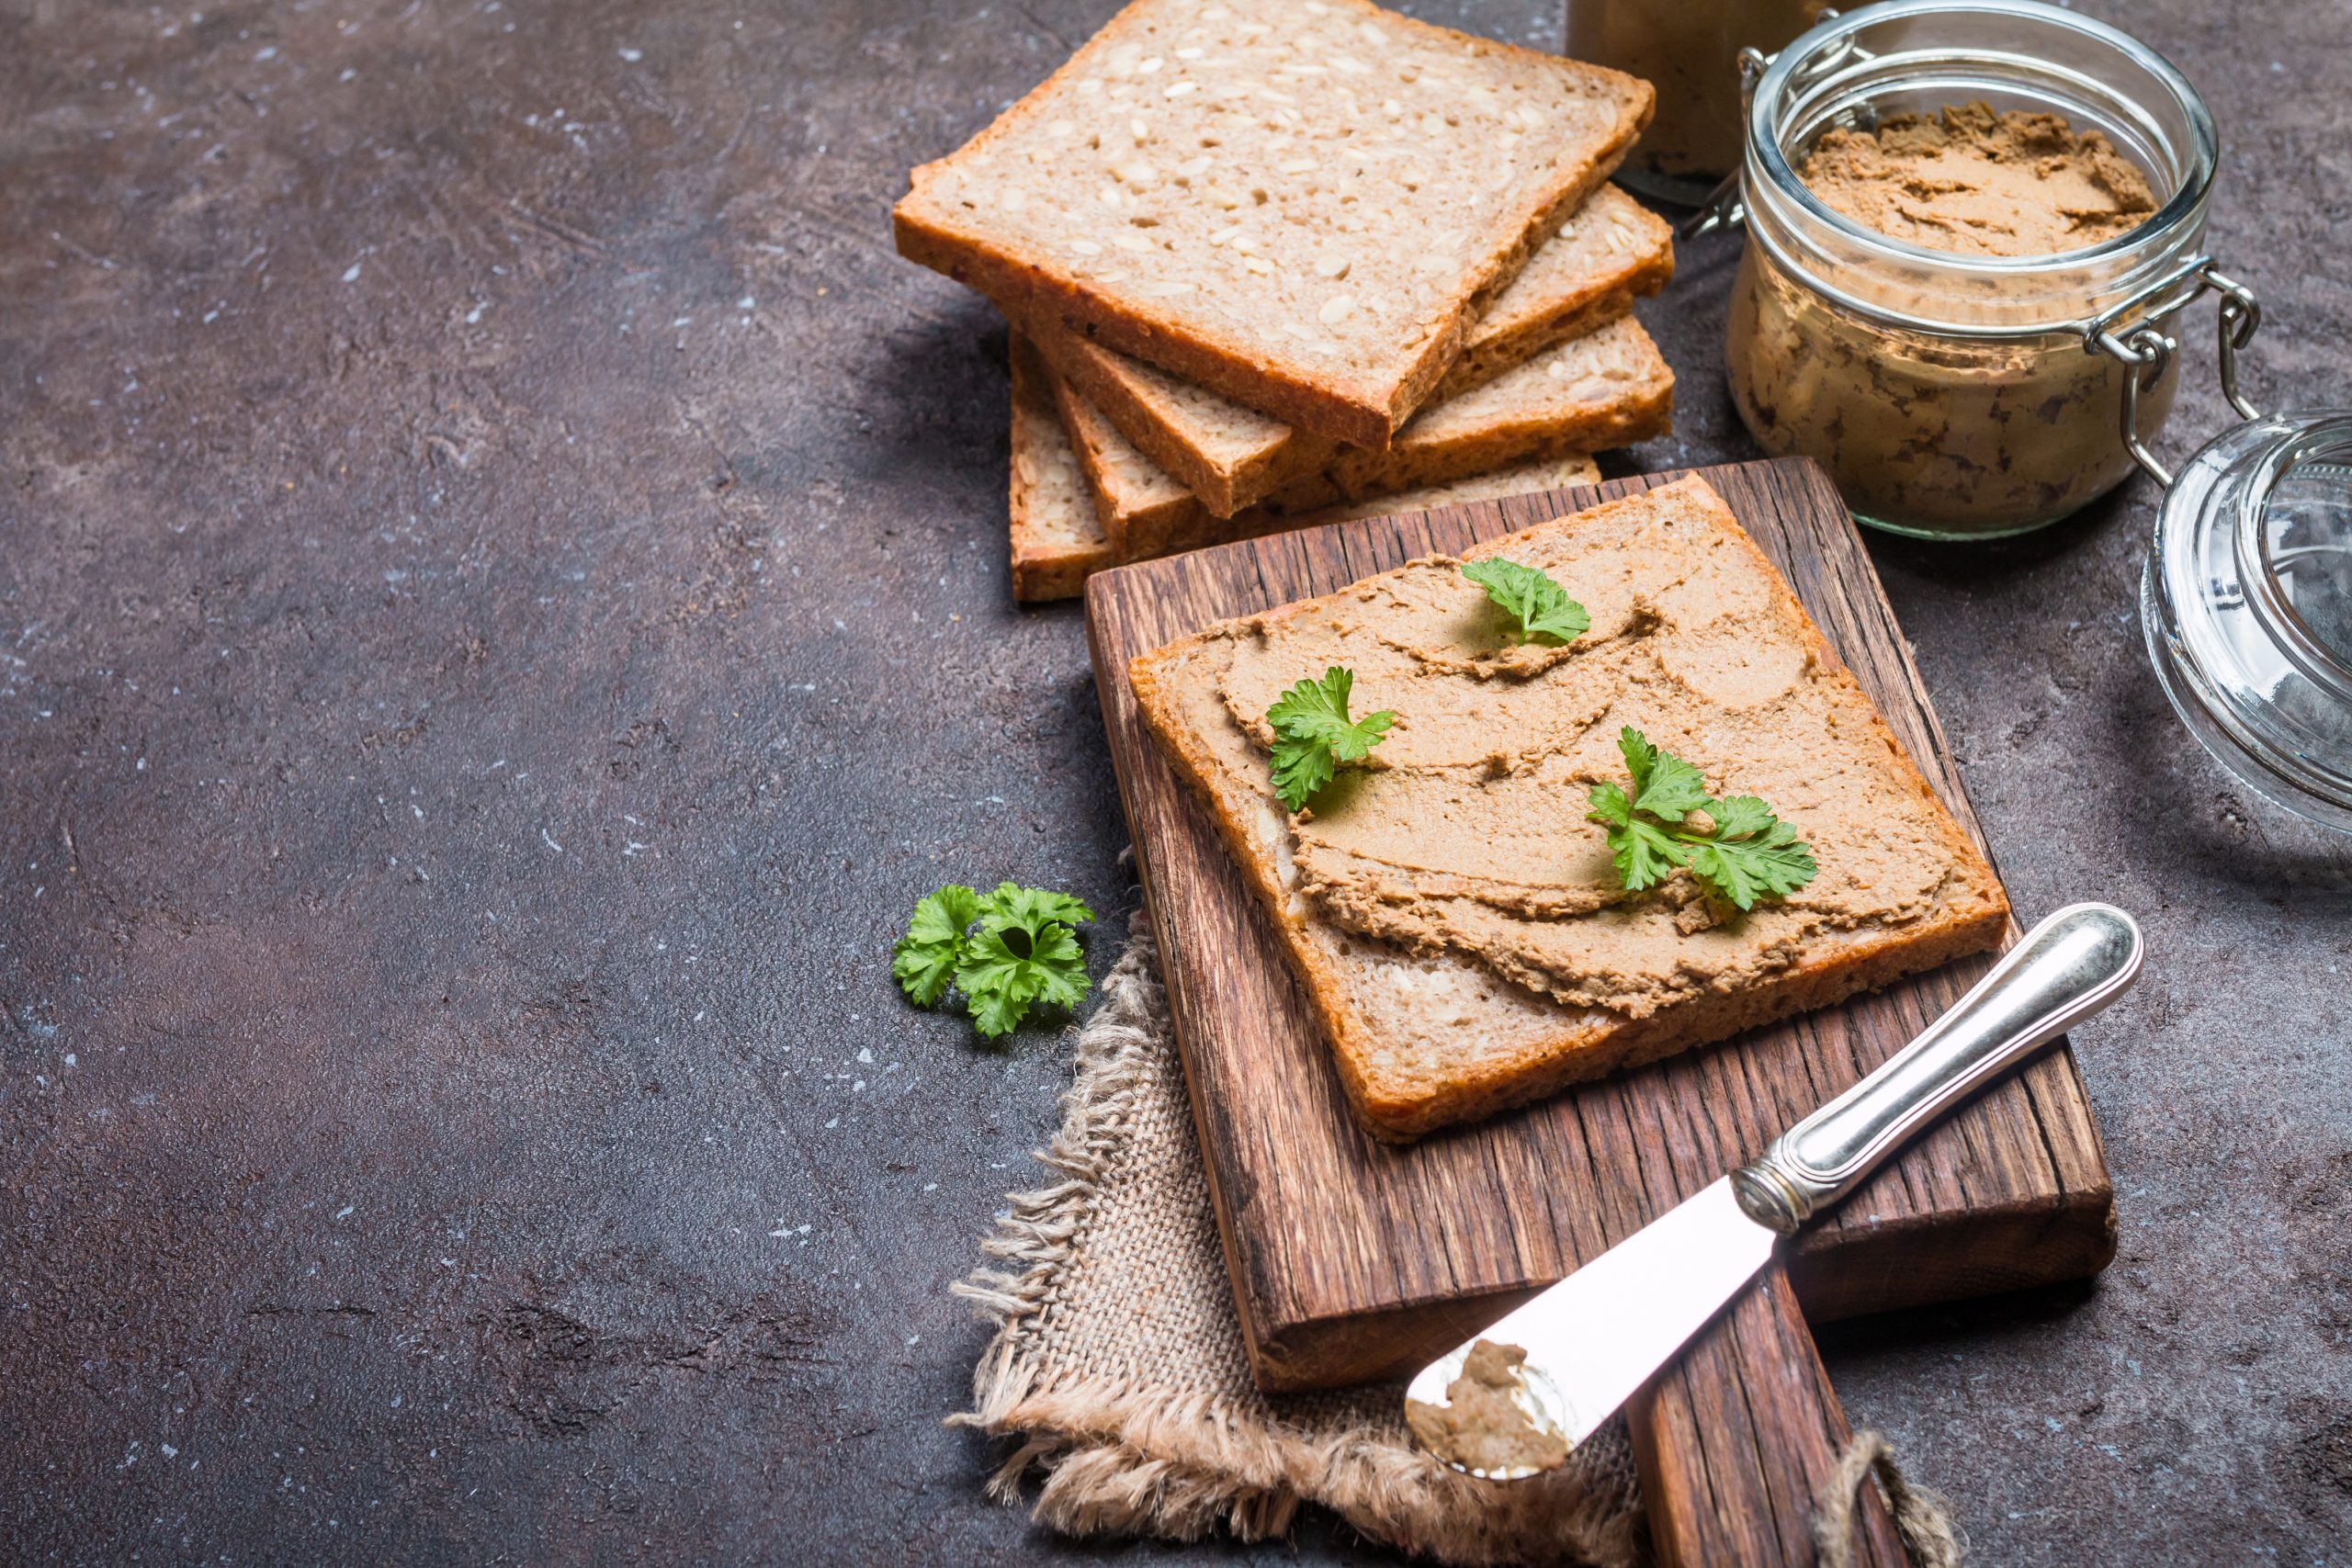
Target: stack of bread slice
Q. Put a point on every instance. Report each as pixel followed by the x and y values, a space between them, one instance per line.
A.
pixel 1269 262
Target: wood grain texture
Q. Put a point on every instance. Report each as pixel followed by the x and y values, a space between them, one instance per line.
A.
pixel 1735 1440
pixel 1351 1259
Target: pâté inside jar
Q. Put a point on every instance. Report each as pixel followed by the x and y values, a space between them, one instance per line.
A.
pixel 1960 373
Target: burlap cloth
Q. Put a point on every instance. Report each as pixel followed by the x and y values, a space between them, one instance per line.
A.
pixel 1118 1370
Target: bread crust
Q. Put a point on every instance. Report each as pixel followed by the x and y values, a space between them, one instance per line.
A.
pixel 1222 488
pixel 1045 571
pixel 1343 405
pixel 1152 516
pixel 1052 555
pixel 1502 352
pixel 1401 1107
pixel 1058 542
pixel 1227 482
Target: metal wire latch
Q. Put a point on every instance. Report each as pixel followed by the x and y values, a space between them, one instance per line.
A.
pixel 2147 350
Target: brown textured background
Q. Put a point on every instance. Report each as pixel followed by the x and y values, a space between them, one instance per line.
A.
pixel 503 607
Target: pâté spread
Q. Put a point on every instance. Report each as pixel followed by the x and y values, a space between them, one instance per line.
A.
pixel 1465 832
pixel 1980 181
pixel 1483 1425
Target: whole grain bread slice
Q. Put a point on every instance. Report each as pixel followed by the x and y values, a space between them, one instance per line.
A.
pixel 1427 1033
pixel 1057 540
pixel 1301 205
pixel 1230 457
pixel 1607 388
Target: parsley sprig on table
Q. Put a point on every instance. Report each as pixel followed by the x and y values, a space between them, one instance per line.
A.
pixel 1024 952
pixel 1313 734
pixel 1542 606
pixel 1745 854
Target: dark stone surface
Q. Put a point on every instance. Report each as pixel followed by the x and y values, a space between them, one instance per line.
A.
pixel 503 607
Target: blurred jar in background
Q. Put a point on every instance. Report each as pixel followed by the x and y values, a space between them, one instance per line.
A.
pixel 1689 49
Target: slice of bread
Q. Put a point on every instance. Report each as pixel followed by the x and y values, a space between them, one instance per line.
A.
pixel 1455 917
pixel 1585 276
pixel 1301 205
pixel 1057 540
pixel 1604 390
pixel 1610 252
pixel 1144 511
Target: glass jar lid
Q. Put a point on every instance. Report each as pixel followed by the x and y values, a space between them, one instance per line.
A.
pixel 2247 607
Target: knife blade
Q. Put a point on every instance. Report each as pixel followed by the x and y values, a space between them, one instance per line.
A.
pixel 1517 1400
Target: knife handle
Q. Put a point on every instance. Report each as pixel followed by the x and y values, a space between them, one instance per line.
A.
pixel 2066 969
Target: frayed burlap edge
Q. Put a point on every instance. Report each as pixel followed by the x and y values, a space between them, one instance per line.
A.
pixel 1922 1517
pixel 1119 1458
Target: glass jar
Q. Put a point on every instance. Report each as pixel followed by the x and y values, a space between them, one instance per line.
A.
pixel 1955 396
pixel 2247 607
pixel 1688 49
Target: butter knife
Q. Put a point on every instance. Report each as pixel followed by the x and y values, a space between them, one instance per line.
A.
pixel 1539 1380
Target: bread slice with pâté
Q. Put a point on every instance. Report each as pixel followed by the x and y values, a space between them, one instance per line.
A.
pixel 1456 918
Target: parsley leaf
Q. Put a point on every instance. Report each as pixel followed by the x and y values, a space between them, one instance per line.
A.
pixel 1029 907
pixel 1000 981
pixel 1738 816
pixel 1771 863
pixel 1664 785
pixel 1313 734
pixel 1747 853
pixel 1025 953
pixel 1644 851
pixel 1542 606
pixel 924 959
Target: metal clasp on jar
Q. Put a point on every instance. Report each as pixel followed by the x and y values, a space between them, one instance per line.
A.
pixel 2147 350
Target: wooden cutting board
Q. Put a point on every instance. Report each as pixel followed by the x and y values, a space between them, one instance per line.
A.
pixel 1353 1259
